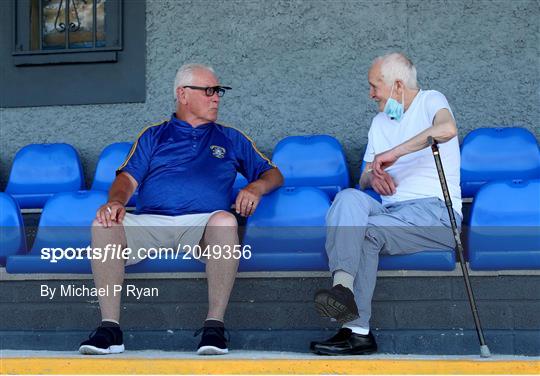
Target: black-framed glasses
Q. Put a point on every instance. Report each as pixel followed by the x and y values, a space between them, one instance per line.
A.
pixel 211 90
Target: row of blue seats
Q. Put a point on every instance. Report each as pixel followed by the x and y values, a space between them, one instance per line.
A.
pixel 287 233
pixel 41 170
pixel 487 154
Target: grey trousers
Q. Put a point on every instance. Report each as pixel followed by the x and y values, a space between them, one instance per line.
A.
pixel 359 228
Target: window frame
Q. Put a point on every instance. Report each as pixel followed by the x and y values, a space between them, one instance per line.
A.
pixel 93 80
pixel 23 55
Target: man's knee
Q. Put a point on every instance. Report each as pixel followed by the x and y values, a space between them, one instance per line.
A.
pixel 346 200
pixel 350 195
pixel 223 219
pixel 221 225
pixel 98 231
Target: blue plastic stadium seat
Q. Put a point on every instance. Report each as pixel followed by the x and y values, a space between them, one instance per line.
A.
pixel 505 226
pixel 12 239
pixel 41 170
pixel 287 231
pixel 312 161
pixel 110 159
pixel 65 222
pixel 491 154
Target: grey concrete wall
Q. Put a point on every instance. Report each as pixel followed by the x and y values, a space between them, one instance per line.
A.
pixel 418 315
pixel 299 67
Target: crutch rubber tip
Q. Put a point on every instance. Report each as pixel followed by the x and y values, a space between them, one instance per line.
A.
pixel 484 351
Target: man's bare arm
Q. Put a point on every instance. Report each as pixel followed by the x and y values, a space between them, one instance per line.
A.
pixel 122 188
pixel 269 180
pixel 443 130
pixel 121 191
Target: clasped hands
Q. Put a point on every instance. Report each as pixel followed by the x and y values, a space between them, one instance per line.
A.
pixel 380 180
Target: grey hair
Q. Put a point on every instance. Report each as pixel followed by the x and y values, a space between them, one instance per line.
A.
pixel 397 66
pixel 184 75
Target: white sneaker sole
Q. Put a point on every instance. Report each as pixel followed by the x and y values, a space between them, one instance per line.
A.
pixel 92 350
pixel 211 350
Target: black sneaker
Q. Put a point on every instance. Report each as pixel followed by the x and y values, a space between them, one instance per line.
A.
pixel 213 341
pixel 337 303
pixel 103 340
pixel 345 342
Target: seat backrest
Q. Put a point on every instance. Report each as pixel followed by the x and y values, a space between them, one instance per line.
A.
pixel 291 206
pixel 504 230
pixel 109 160
pixel 290 219
pixel 45 168
pixel 67 218
pixel 490 154
pixel 313 161
pixel 12 239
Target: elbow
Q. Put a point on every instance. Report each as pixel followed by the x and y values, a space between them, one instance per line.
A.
pixel 452 132
pixel 449 131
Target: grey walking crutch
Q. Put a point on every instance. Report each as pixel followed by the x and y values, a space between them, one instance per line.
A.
pixel 484 349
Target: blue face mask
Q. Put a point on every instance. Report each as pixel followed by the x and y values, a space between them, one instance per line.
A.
pixel 393 108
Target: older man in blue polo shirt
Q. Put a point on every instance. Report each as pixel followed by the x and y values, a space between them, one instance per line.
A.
pixel 184 169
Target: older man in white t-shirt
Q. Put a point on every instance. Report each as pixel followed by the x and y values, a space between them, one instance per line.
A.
pixel 412 217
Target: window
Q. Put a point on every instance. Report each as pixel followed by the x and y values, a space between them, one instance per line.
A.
pixel 64 31
pixel 56 52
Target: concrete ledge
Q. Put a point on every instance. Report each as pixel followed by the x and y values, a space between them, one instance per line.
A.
pixel 246 362
pixel 4 276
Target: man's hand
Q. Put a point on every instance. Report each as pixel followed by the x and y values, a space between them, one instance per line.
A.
pixel 112 211
pixel 248 199
pixel 382 161
pixel 383 184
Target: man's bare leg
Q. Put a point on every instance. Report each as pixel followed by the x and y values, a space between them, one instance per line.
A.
pixel 221 230
pixel 107 272
pixel 111 272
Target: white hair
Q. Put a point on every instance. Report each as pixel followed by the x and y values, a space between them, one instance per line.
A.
pixel 397 66
pixel 184 75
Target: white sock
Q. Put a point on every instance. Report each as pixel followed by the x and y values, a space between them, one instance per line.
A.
pixel 111 320
pixel 357 329
pixel 343 278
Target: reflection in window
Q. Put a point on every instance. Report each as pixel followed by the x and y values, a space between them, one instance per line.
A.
pixel 67 24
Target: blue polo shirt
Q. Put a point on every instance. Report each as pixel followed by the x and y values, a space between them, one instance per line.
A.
pixel 182 169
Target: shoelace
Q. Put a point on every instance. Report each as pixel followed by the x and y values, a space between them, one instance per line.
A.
pixel 214 331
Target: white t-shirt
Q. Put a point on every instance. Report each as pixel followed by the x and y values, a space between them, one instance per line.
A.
pixel 415 174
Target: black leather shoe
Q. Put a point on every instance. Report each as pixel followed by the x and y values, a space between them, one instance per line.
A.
pixel 337 303
pixel 345 342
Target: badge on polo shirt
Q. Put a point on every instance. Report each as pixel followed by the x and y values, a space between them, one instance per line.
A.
pixel 218 151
